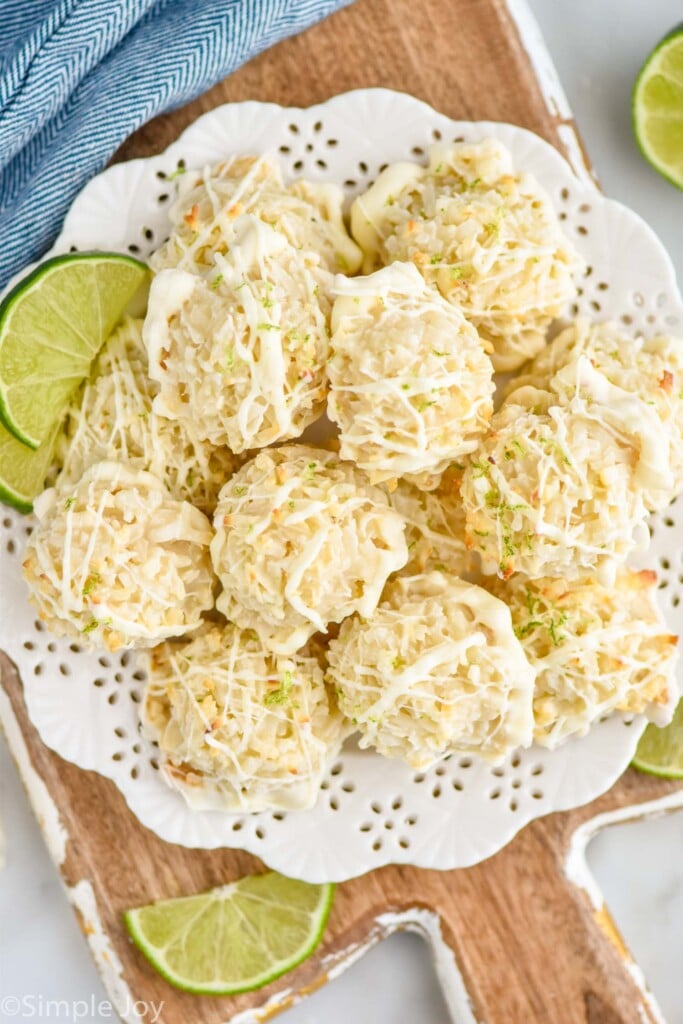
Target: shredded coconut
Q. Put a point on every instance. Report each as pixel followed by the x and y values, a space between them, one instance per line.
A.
pixel 210 201
pixel 118 563
pixel 113 418
pixel 484 234
pixel 595 649
pixel 411 383
pixel 241 360
pixel 239 728
pixel 302 540
pixel 650 370
pixel 436 670
pixel 435 529
pixel 553 489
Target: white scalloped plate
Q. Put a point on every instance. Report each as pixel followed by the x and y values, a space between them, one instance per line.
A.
pixel 371 811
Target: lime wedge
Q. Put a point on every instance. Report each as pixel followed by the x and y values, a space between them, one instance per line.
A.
pixel 235 938
pixel 22 470
pixel 51 326
pixel 660 751
pixel 658 107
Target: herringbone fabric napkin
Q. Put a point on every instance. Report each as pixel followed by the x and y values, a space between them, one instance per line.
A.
pixel 78 76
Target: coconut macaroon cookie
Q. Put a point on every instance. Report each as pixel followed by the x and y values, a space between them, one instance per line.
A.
pixel 239 728
pixel 302 540
pixel 595 649
pixel 118 563
pixel 435 529
pixel 113 418
pixel 240 357
pixel 649 369
pixel 435 670
pixel 557 489
pixel 411 383
pixel 484 234
pixel 209 202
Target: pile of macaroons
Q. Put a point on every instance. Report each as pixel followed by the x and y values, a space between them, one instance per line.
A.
pixel 436 577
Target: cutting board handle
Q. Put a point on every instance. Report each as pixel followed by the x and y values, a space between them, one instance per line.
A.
pixel 518 937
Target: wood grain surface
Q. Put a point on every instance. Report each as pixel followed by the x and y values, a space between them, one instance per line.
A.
pixel 530 945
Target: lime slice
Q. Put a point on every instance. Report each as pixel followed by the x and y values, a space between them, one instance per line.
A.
pixel 658 107
pixel 51 326
pixel 235 938
pixel 22 470
pixel 660 751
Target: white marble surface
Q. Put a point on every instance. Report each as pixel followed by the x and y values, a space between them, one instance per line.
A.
pixel 639 869
pixel 597 46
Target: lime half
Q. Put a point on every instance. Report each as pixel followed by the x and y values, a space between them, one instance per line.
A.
pixel 660 751
pixel 235 938
pixel 658 107
pixel 22 470
pixel 52 324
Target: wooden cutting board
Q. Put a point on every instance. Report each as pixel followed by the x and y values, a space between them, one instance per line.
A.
pixel 517 939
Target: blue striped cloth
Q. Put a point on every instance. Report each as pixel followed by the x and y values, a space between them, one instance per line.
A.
pixel 78 76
